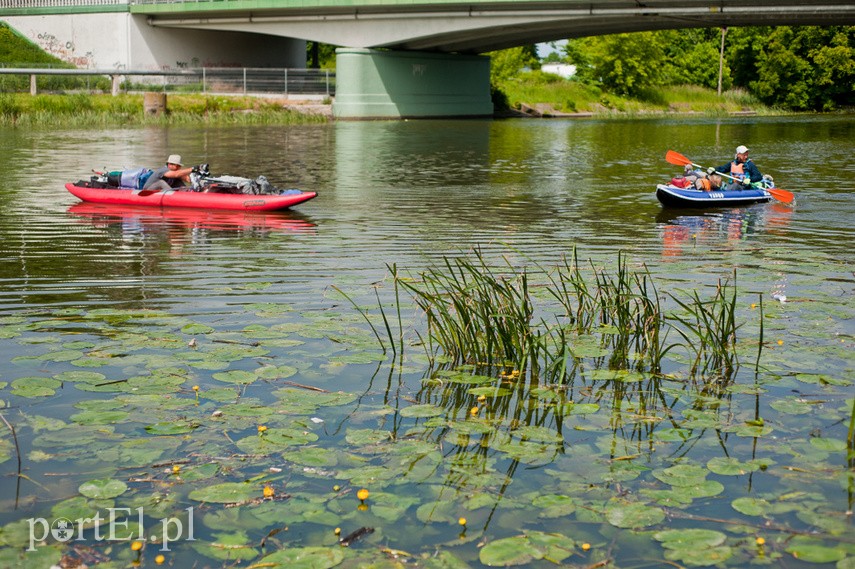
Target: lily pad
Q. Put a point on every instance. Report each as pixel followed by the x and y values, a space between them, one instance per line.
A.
pixel 422 411
pixel 35 386
pixel 275 440
pixel 171 428
pixel 360 437
pixel 750 506
pixel 633 515
pixel 814 553
pixel 227 493
pixel 729 466
pixel 705 557
pixel 792 406
pixel 236 376
pixel 303 558
pixel 681 475
pixel 195 328
pixel 581 408
pixel 828 444
pixel 508 552
pixel 104 488
pixel 227 547
pixel 554 505
pixel 276 372
pixel 99 417
pixel 689 538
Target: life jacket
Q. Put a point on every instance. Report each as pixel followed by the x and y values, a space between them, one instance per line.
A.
pixel 737 170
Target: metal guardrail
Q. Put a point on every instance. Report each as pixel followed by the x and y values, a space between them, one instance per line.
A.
pixel 11 4
pixel 212 80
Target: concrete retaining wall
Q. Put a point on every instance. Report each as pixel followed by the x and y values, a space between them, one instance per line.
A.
pixel 125 41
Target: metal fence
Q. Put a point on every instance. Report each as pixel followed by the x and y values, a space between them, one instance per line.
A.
pixel 265 80
pixel 308 83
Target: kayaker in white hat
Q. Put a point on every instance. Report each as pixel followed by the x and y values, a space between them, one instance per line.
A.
pixel 170 176
pixel 742 169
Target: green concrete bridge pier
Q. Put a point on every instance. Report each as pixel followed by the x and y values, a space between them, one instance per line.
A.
pixel 375 84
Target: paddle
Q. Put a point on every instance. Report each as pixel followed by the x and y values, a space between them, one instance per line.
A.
pixel 679 160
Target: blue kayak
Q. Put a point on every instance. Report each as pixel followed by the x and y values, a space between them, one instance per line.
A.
pixel 673 196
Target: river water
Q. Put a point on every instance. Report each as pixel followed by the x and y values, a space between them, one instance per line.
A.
pixel 109 317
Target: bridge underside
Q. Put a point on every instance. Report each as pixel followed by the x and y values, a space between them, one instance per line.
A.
pixel 480 27
pixel 408 81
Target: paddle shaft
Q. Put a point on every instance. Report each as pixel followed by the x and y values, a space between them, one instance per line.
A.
pixel 679 160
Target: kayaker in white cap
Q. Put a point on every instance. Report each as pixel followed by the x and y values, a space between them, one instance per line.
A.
pixel 742 169
pixel 170 176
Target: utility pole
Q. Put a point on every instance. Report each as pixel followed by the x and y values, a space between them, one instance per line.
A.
pixel 721 60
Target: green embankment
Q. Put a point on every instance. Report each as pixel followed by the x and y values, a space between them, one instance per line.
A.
pixel 83 109
pixel 552 94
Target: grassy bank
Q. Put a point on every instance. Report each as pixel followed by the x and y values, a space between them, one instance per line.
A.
pixel 545 91
pixel 17 109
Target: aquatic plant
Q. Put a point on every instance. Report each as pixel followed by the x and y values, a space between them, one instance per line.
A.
pixel 476 314
pixel 709 328
pixel 479 314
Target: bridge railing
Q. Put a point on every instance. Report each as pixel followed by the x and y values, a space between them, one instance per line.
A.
pixel 58 3
pixel 211 80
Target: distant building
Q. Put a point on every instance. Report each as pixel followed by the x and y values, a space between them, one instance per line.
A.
pixel 563 69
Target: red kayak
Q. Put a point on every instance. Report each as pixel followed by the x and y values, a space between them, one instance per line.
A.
pixel 201 200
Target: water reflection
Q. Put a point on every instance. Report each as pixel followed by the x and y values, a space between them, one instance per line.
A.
pixel 681 230
pixel 186 225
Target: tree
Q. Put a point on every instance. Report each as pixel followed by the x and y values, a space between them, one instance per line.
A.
pixel 798 68
pixel 625 64
pixel 807 68
pixel 507 63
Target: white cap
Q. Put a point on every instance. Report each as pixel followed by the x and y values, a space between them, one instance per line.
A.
pixel 176 158
pixel 741 149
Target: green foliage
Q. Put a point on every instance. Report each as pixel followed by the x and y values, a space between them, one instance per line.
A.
pixel 692 57
pixel 10 109
pixel 807 68
pixel 507 63
pixel 62 105
pixel 573 96
pixel 325 55
pixel 625 64
pixel 796 68
pixel 563 95
pixel 15 49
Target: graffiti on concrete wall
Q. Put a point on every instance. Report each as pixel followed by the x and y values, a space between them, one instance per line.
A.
pixel 63 50
pixel 195 63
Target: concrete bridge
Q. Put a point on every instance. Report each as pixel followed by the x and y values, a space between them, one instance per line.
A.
pixel 429 65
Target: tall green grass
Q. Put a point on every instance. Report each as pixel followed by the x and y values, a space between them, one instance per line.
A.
pixel 571 96
pixel 79 109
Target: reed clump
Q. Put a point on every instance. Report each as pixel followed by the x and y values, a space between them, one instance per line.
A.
pixel 486 316
pixel 478 314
